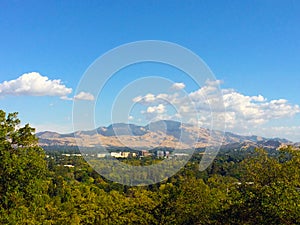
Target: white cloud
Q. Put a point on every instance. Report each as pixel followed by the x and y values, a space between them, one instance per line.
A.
pixel 148 98
pixel 80 96
pixel 84 96
pixel 248 111
pixel 157 112
pixel 66 98
pixel 137 99
pixel 242 112
pixel 34 84
pixel 258 98
pixel 178 86
pixel 151 99
pixel 156 109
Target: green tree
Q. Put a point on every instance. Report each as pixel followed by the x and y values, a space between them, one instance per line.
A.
pixel 22 169
pixel 268 192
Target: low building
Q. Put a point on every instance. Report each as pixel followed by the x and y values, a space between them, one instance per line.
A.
pixel 116 154
pixel 120 154
pixel 101 155
pixel 145 153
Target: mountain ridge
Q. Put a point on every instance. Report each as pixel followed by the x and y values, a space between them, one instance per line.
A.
pixel 162 133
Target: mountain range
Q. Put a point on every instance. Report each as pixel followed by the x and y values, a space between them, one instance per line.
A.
pixel 164 133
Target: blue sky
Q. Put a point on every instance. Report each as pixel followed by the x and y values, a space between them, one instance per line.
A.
pixel 253 47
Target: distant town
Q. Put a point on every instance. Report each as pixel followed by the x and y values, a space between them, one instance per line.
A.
pixel 128 154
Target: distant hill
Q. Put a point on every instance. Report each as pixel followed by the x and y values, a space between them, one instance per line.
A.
pixel 164 133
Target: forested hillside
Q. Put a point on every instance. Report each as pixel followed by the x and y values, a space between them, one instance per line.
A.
pixel 38 187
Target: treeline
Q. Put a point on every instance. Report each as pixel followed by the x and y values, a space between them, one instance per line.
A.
pixel 253 188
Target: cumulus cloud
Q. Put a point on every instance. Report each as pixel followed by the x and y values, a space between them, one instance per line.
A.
pixel 148 98
pixel 151 99
pixel 34 84
pixel 178 86
pixel 156 112
pixel 84 96
pixel 240 112
pixel 250 111
pixel 156 109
